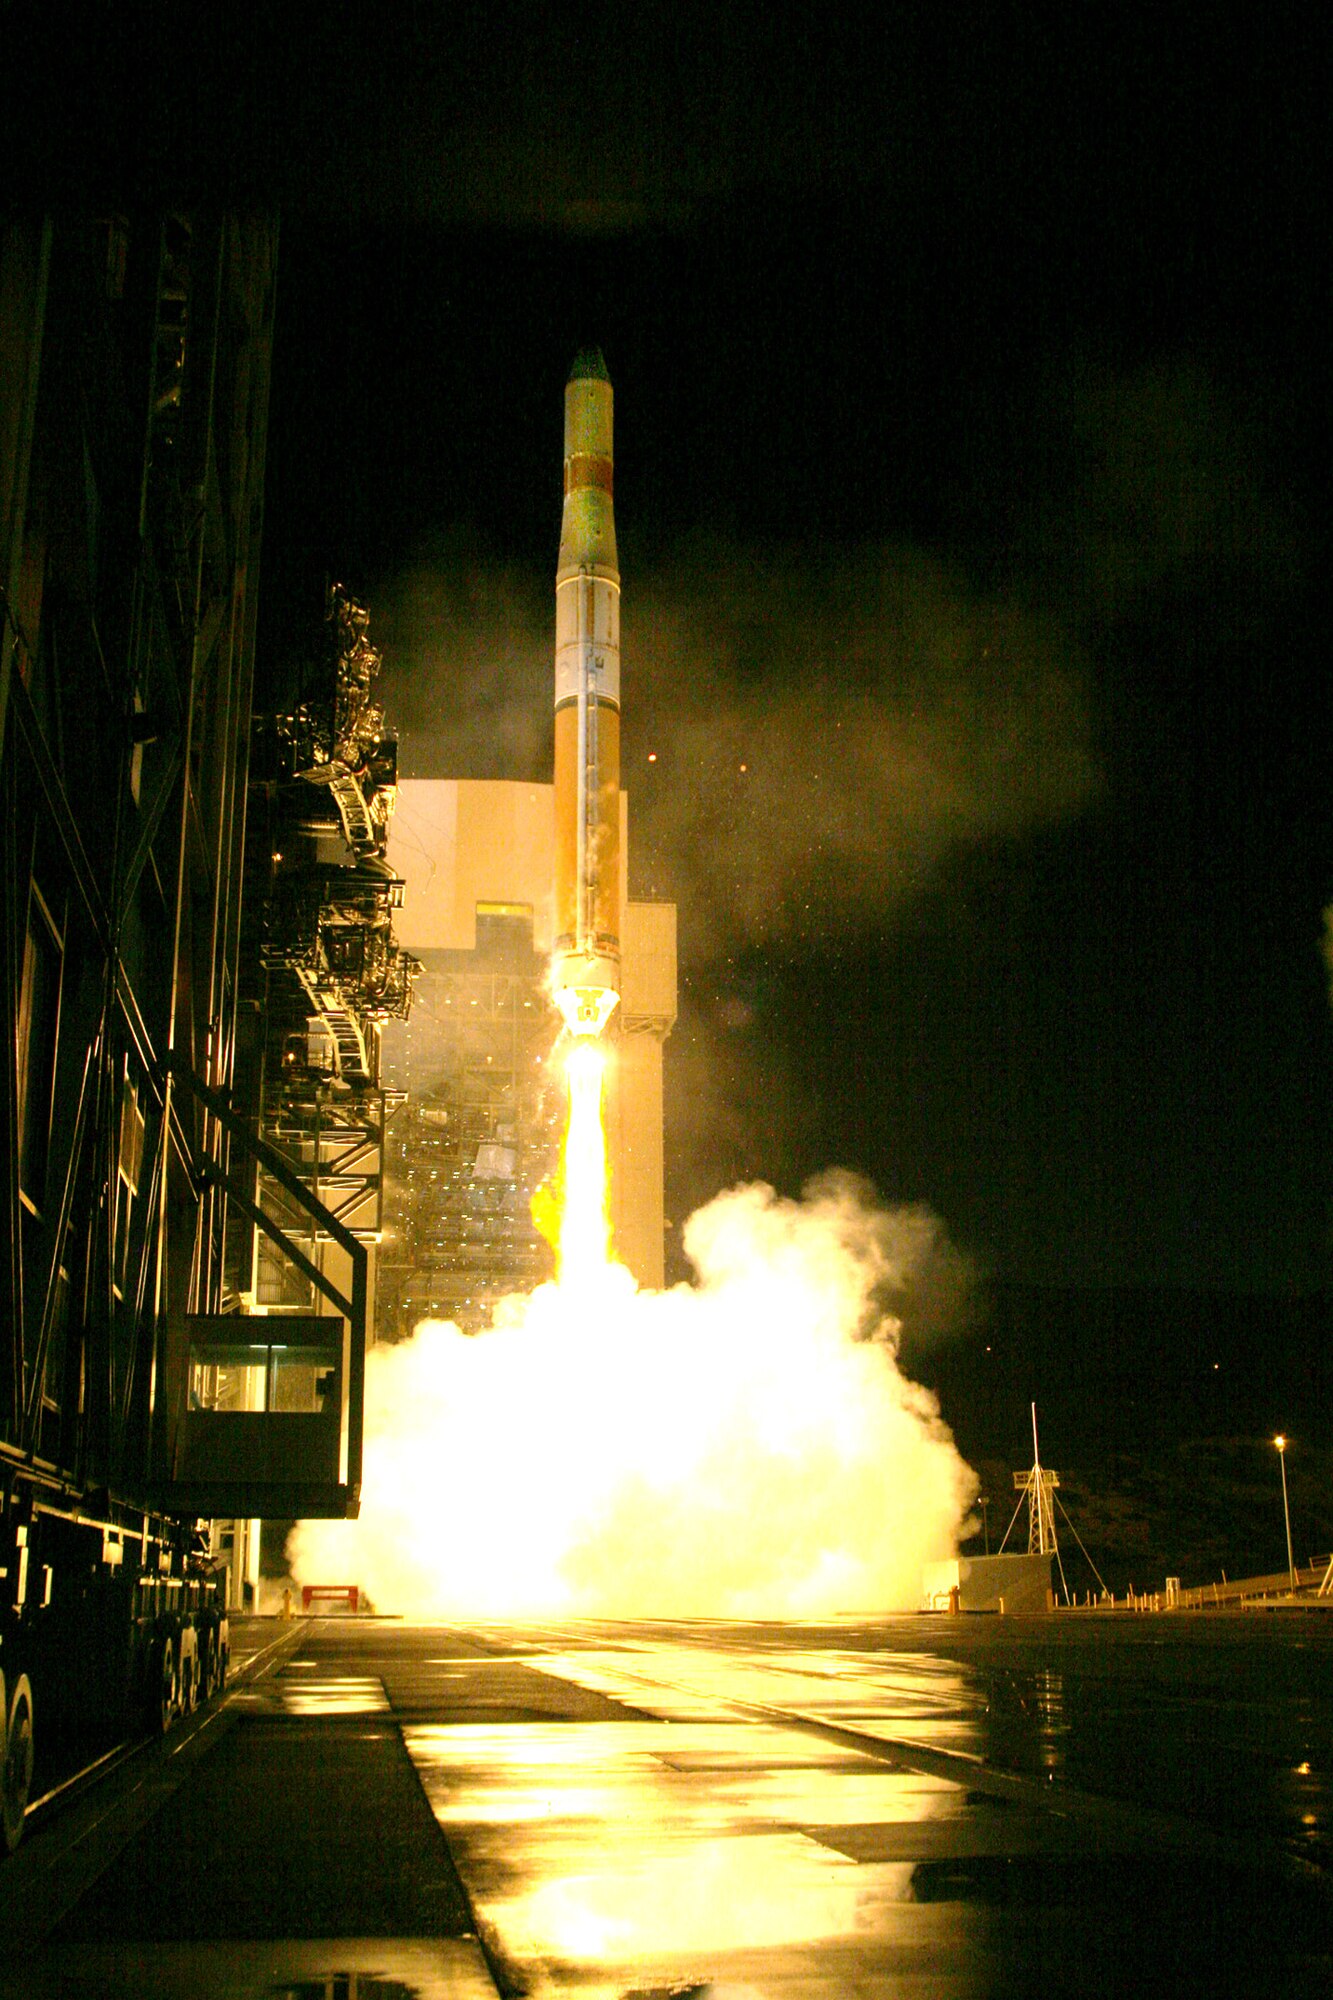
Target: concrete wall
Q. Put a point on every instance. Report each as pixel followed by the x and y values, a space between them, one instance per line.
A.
pixel 457 843
pixel 1019 1585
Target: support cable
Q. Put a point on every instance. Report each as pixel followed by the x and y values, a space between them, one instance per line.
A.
pixel 1079 1539
pixel 1012 1518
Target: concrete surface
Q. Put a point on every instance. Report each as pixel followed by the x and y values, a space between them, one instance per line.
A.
pixel 942 1807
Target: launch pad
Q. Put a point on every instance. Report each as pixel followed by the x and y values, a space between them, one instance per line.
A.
pixel 960 1807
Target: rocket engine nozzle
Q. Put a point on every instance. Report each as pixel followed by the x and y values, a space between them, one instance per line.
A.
pixel 586 1009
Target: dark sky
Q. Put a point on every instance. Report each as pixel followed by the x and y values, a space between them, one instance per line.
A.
pixel 970 486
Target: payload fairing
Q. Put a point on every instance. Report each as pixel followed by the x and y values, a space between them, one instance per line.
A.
pixel 586 968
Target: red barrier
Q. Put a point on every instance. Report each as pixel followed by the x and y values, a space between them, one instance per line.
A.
pixel 351 1591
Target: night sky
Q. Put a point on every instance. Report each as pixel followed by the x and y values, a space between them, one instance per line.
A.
pixel 970 475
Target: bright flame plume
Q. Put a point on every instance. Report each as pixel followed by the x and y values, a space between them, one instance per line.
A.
pixel 585 1229
pixel 745 1446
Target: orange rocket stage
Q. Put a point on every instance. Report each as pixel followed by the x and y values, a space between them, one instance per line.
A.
pixel 586 964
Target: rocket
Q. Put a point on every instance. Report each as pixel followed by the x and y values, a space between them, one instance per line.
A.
pixel 586 967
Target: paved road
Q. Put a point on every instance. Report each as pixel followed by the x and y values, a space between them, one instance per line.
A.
pixel 937 1808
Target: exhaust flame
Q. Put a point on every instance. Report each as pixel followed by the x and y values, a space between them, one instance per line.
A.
pixel 585 1010
pixel 744 1446
pixel 584 1245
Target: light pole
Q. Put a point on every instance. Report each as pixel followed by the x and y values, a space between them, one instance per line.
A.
pixel 1281 1444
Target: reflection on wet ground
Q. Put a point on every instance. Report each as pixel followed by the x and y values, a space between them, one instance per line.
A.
pixel 641 1839
pixel 300 1689
pixel 947 1808
pixel 926 1701
pixel 846 1821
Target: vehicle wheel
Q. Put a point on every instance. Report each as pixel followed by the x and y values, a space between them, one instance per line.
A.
pixel 189 1646
pixel 16 1769
pixel 168 1698
pixel 208 1665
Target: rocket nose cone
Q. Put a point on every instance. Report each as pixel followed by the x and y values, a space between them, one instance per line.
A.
pixel 589 366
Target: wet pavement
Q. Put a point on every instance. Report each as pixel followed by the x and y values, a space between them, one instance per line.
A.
pixel 925 1807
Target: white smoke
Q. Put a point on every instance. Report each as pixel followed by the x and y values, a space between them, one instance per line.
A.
pixel 745 1446
pixel 825 730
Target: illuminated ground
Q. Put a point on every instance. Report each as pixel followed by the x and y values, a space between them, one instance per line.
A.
pixel 947 1807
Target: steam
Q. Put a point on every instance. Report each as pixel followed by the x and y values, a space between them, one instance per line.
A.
pixel 809 736
pixel 823 730
pixel 826 738
pixel 743 1446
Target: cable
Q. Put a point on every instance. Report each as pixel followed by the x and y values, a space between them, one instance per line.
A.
pixel 1087 1558
pixel 1012 1518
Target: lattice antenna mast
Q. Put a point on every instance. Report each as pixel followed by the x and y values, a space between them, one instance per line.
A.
pixel 1039 1485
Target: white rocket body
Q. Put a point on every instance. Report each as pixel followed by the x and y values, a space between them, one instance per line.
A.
pixel 586 968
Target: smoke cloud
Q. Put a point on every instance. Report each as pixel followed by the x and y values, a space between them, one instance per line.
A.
pixel 810 736
pixel 743 1446
pixel 807 736
pixel 835 735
